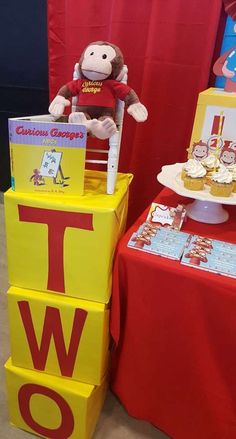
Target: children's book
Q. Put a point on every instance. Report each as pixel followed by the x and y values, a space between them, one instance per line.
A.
pixel 166 216
pixel 159 241
pixel 211 255
pixel 47 156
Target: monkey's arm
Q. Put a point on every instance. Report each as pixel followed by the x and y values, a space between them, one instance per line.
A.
pixel 57 106
pixel 135 108
pixel 218 66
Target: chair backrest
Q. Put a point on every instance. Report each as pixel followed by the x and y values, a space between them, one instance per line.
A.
pixel 114 141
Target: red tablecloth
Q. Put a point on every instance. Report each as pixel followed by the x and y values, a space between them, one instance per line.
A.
pixel 174 327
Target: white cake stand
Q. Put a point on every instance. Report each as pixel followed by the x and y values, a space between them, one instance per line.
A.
pixel 206 208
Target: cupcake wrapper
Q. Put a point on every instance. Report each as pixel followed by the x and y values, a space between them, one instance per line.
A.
pixel 221 189
pixel 194 184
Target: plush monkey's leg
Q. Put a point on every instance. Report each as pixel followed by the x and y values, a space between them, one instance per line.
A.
pixel 102 129
pixel 77 117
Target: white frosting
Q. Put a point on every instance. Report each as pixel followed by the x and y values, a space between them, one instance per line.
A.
pixel 222 175
pixel 232 168
pixel 232 171
pixel 211 161
pixel 189 164
pixel 194 169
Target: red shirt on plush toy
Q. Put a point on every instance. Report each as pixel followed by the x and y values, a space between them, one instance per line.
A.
pixel 97 91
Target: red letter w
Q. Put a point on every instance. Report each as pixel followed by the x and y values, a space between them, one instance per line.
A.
pixel 52 327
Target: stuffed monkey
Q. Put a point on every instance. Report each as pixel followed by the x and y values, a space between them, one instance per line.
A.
pixel 97 91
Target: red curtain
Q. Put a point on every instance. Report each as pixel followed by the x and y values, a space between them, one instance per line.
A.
pixel 168 47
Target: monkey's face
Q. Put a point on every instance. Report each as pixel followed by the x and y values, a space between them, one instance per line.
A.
pixel 200 152
pixel 228 157
pixel 99 61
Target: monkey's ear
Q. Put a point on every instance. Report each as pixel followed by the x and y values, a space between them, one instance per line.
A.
pixel 77 72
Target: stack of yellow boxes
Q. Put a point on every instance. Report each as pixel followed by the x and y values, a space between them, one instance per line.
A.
pixel 60 255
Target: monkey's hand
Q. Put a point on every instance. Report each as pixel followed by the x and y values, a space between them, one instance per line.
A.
pixel 138 111
pixel 57 106
pixel 226 72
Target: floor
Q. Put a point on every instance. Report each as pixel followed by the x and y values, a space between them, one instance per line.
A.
pixel 114 422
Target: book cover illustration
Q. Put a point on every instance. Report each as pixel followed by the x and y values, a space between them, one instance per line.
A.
pixel 47 156
pixel 158 240
pixel 166 216
pixel 211 255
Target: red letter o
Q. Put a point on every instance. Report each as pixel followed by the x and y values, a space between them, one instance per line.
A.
pixel 66 428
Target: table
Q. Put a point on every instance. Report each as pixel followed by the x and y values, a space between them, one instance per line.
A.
pixel 174 332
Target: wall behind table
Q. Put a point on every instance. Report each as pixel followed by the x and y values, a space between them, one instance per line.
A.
pixel 23 68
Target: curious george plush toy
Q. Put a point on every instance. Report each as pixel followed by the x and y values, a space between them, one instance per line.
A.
pixel 100 68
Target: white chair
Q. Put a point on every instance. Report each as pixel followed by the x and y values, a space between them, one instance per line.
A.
pixel 112 153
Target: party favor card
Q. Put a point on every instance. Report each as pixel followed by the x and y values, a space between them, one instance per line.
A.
pixel 211 255
pixel 166 216
pixel 159 241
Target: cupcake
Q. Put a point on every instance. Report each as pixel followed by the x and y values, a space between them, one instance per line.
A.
pixel 188 165
pixel 195 177
pixel 211 163
pixel 232 170
pixel 221 182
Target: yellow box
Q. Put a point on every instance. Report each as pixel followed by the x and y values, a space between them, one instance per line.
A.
pixel 214 126
pixel 47 156
pixel 50 406
pixel 66 244
pixel 59 335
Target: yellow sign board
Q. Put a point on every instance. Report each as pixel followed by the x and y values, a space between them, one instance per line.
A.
pixel 214 129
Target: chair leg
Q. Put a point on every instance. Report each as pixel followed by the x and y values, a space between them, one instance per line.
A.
pixel 112 164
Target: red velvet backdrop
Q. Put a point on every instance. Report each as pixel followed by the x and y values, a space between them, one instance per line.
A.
pixel 168 47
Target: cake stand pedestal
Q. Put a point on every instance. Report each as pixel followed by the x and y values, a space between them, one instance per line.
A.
pixel 205 208
pixel 207 212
